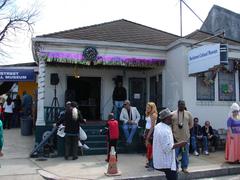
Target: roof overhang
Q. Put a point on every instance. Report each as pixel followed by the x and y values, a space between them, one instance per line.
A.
pixel 101 59
pixel 105 60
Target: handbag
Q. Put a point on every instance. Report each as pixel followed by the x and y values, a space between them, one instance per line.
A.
pixel 60 131
pixel 82 134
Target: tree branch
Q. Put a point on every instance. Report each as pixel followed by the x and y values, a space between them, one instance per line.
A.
pixel 13 21
pixel 3 3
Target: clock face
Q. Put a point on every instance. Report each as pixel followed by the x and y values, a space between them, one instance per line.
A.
pixel 90 53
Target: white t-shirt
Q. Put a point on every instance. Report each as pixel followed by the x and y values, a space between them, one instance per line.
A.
pixel 148 122
pixel 8 108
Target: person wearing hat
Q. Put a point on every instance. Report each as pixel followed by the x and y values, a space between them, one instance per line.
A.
pixel 119 96
pixel 232 153
pixel 164 147
pixel 181 125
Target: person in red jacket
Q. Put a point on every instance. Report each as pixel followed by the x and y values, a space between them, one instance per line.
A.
pixel 112 133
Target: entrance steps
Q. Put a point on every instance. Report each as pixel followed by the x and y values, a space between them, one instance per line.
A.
pixel 98 145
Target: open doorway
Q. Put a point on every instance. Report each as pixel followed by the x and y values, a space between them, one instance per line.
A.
pixel 87 92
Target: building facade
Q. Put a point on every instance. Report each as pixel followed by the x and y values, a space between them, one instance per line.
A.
pixel 152 64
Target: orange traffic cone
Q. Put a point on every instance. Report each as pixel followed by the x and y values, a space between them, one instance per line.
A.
pixel 112 164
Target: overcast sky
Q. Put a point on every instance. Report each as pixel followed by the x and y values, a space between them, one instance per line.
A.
pixel 59 15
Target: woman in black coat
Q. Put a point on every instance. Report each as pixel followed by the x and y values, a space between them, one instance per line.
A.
pixel 71 120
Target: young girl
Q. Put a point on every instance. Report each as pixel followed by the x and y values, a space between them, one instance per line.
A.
pixel 113 133
pixel 151 119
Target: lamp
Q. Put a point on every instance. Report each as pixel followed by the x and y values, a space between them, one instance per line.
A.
pixel 76 73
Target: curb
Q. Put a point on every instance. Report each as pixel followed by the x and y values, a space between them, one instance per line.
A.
pixel 194 175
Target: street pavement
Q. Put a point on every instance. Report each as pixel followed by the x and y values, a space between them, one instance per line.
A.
pixel 16 164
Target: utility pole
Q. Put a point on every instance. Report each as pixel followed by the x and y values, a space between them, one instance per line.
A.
pixel 181 18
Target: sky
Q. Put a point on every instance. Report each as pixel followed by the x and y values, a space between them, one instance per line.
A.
pixel 59 15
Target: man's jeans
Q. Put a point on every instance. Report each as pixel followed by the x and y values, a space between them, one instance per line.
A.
pixel 185 153
pixel 117 109
pixel 132 128
pixel 194 143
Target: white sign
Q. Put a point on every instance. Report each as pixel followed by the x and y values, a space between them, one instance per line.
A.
pixel 137 96
pixel 202 58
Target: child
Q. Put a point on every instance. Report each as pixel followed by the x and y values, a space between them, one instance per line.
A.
pixel 112 133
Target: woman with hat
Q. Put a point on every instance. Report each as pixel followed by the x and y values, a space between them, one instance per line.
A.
pixel 232 152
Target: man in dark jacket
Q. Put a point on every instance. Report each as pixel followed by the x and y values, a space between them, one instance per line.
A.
pixel 209 134
pixel 119 96
pixel 197 136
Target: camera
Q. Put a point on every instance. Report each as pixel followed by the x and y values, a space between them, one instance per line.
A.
pixel 180 125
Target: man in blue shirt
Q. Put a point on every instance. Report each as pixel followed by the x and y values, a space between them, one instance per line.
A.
pixel 27 104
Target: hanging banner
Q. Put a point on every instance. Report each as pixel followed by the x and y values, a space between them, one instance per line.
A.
pixel 202 58
pixel 17 75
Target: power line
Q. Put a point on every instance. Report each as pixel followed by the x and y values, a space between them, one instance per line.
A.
pixel 192 10
pixel 181 14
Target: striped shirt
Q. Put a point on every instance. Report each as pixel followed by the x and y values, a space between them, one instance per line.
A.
pixel 163 154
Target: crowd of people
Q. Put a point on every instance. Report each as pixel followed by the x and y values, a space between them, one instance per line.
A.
pixel 177 134
pixel 12 109
pixel 10 112
pixel 174 136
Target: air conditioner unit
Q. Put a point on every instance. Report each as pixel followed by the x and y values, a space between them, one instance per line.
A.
pixel 223 54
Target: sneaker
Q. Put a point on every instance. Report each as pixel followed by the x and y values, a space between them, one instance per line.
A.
pixel 185 170
pixel 196 153
pixel 147 165
pixel 206 152
pixel 74 158
pixel 150 169
pixel 85 147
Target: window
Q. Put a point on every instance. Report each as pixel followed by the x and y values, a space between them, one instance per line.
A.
pixel 205 89
pixel 226 86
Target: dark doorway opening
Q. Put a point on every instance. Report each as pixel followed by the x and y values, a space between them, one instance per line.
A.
pixel 87 93
pixel 137 93
pixel 156 90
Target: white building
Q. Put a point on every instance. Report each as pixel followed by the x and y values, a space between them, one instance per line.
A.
pixel 153 65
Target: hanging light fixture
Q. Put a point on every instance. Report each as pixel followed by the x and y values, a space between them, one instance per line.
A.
pixel 76 70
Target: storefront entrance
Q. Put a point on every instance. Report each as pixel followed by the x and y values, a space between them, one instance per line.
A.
pixel 156 90
pixel 86 91
pixel 137 93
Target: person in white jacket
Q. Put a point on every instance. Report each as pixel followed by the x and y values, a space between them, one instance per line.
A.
pixel 130 117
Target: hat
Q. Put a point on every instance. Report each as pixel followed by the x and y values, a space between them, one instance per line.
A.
pixel 68 103
pixel 165 113
pixel 235 107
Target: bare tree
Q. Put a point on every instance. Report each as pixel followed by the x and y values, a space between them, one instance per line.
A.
pixel 14 21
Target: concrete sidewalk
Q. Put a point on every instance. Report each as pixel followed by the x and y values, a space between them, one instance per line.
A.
pixel 16 165
pixel 93 167
pixel 132 167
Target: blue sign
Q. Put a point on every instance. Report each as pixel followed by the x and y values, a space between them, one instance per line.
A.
pixel 17 75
